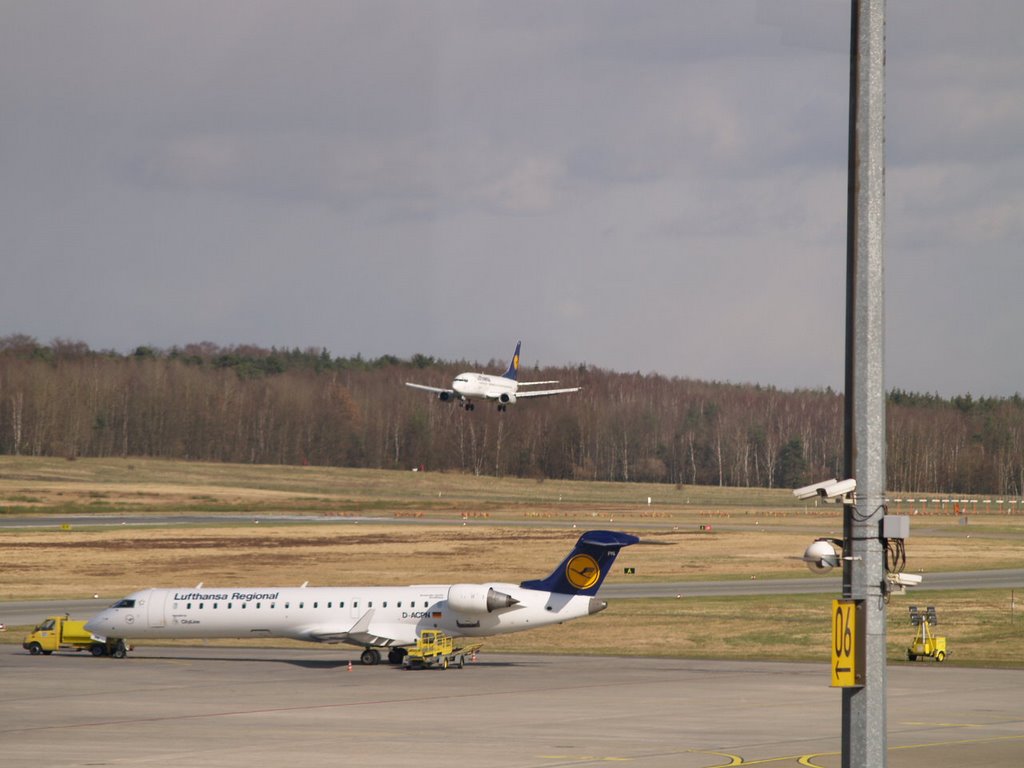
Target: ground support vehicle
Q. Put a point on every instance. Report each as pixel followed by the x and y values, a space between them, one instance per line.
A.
pixel 925 642
pixel 435 648
pixel 59 633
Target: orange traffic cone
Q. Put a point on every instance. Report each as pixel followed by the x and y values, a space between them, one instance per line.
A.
pixel 350 666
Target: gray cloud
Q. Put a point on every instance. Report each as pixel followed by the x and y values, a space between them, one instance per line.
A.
pixel 654 186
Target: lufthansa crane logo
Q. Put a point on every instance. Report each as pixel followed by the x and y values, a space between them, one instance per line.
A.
pixel 582 571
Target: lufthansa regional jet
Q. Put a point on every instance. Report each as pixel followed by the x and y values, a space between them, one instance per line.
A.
pixel 504 389
pixel 368 617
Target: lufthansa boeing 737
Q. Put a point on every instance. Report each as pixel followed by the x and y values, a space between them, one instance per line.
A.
pixel 369 617
pixel 504 389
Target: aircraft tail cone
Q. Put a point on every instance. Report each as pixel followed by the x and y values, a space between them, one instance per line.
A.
pixel 596 606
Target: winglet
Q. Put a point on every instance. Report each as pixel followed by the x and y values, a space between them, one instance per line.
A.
pixel 513 367
pixel 585 567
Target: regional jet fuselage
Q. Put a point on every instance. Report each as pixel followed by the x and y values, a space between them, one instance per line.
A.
pixel 371 617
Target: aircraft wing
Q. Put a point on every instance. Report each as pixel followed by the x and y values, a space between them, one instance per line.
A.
pixel 360 633
pixel 546 392
pixel 435 390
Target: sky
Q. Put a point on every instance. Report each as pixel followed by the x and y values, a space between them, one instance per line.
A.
pixel 632 184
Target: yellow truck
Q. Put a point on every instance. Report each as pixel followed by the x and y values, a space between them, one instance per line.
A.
pixel 435 648
pixel 60 633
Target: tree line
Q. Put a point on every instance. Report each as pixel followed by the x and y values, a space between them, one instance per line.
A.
pixel 290 406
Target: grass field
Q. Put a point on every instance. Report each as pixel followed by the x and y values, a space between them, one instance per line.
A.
pixel 377 527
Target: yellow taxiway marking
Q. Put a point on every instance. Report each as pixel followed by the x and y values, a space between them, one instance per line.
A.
pixel 806 760
pixel 734 761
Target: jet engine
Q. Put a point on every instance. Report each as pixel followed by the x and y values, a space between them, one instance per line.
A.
pixel 478 598
pixel 444 396
pixel 507 398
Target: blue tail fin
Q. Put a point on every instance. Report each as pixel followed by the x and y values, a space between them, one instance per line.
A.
pixel 513 367
pixel 583 569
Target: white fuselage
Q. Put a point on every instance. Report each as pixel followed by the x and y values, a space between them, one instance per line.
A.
pixel 470 386
pixel 364 616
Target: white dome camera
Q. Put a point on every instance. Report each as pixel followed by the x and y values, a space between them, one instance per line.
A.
pixel 822 556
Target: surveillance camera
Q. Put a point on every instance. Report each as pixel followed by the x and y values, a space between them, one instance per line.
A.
pixel 810 491
pixel 840 490
pixel 906 579
pixel 821 556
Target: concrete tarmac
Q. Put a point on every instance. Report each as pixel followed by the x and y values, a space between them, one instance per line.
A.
pixel 210 706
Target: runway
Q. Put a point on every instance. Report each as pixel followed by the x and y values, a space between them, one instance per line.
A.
pixel 203 707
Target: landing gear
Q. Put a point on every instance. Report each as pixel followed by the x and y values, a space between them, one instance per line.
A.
pixel 369 657
pixel 120 650
pixel 396 655
pixel 469 406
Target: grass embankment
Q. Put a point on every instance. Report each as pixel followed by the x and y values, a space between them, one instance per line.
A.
pixel 484 529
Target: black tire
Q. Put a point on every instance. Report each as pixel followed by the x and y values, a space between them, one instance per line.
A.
pixel 120 650
pixel 940 656
pixel 35 649
pixel 98 649
pixel 461 662
pixel 369 657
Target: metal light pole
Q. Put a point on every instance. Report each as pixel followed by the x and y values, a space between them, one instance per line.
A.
pixel 864 741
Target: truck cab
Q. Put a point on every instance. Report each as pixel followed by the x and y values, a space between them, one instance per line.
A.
pixel 61 633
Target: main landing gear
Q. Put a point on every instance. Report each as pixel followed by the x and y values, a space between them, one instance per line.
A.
pixel 371 656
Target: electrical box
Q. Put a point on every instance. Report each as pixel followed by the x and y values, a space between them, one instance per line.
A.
pixel 896 527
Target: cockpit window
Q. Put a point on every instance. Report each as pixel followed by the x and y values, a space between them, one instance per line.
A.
pixel 124 604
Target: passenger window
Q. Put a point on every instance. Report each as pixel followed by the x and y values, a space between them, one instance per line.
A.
pixel 287 605
pixel 315 604
pixel 301 605
pixel 258 606
pixel 399 604
pixel 200 606
pixel 341 603
pixel 188 606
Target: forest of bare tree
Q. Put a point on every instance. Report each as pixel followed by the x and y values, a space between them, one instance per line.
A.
pixel 247 404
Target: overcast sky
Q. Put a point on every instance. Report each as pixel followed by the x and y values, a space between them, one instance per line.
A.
pixel 636 185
